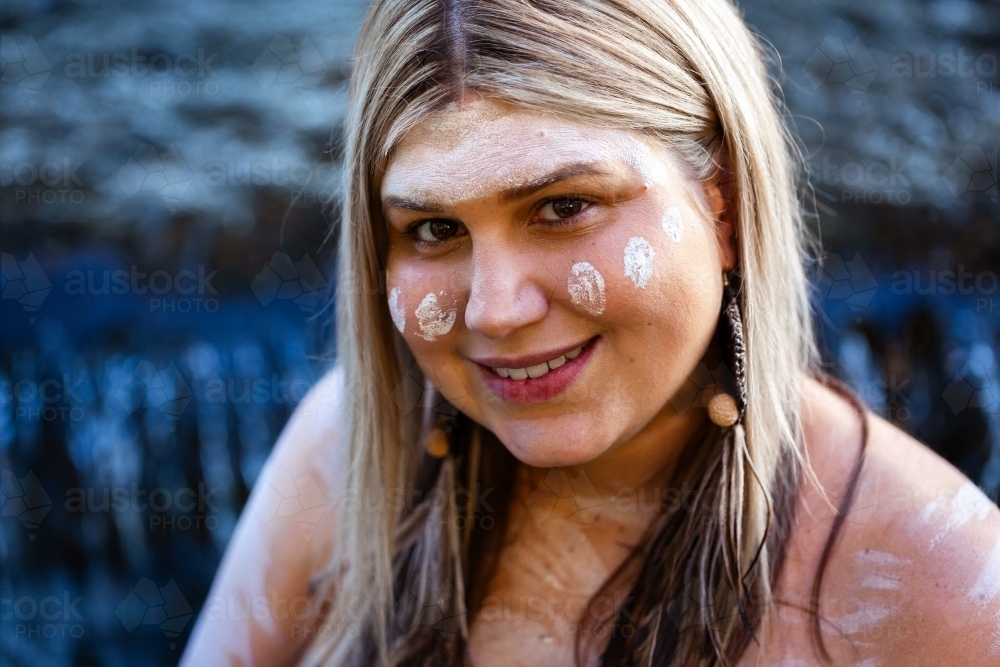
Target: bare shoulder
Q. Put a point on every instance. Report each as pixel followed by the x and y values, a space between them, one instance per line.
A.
pixel 914 576
pixel 302 483
pixel 311 441
pixel 260 608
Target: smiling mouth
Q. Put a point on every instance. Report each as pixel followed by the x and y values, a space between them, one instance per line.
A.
pixel 538 370
pixel 542 381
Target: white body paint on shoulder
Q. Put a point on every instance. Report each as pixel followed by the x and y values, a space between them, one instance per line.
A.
pixel 586 288
pixel 988 584
pixel 879 558
pixel 867 616
pixel 883 569
pixel 432 319
pixel 397 312
pixel 639 256
pixel 968 503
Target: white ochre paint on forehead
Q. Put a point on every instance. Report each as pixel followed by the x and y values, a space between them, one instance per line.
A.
pixel 586 288
pixel 463 155
pixel 432 319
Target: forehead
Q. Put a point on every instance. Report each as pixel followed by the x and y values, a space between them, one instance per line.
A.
pixel 486 146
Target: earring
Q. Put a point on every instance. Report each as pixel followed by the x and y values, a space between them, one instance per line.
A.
pixel 723 408
pixel 436 443
pixel 435 426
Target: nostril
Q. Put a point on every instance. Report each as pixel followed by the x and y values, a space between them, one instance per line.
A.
pixel 496 311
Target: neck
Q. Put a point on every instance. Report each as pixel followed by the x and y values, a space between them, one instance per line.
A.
pixel 642 467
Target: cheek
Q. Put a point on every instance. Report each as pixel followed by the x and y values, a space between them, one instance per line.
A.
pixel 422 303
pixel 656 279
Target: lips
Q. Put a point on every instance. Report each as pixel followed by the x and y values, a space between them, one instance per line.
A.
pixel 539 381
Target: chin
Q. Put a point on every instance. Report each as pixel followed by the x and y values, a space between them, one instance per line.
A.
pixel 556 444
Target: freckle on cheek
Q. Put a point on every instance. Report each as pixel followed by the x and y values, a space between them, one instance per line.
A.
pixel 638 259
pixel 434 321
pixel 396 310
pixel 672 224
pixel 586 288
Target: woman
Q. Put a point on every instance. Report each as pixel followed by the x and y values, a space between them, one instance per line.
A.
pixel 577 416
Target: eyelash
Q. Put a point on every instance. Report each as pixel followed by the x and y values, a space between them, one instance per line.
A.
pixel 411 229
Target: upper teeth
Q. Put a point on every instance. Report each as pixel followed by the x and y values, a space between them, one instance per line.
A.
pixel 541 369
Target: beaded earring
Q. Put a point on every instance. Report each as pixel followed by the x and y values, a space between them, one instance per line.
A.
pixel 725 409
pixel 435 425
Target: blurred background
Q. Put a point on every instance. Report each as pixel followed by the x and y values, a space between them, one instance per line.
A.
pixel 168 174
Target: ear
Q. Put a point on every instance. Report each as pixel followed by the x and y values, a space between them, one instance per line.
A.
pixel 719 193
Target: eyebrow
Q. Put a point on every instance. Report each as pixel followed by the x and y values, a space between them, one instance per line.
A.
pixel 509 194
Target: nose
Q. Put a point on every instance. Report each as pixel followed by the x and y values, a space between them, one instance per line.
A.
pixel 505 293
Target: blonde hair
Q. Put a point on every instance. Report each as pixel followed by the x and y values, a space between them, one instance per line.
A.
pixel 686 72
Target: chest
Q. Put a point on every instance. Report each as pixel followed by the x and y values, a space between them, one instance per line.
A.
pixel 548 582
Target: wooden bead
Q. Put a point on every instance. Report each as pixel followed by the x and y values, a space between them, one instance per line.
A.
pixel 437 443
pixel 722 409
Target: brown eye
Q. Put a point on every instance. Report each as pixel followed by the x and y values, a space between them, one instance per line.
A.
pixel 436 230
pixel 566 207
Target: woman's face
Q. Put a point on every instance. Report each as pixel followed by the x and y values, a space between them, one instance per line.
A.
pixel 516 239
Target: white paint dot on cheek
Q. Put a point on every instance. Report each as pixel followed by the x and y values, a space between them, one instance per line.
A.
pixel 586 287
pixel 397 312
pixel 672 224
pixel 639 256
pixel 432 319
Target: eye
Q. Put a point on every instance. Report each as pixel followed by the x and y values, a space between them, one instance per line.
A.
pixel 432 231
pixel 563 208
